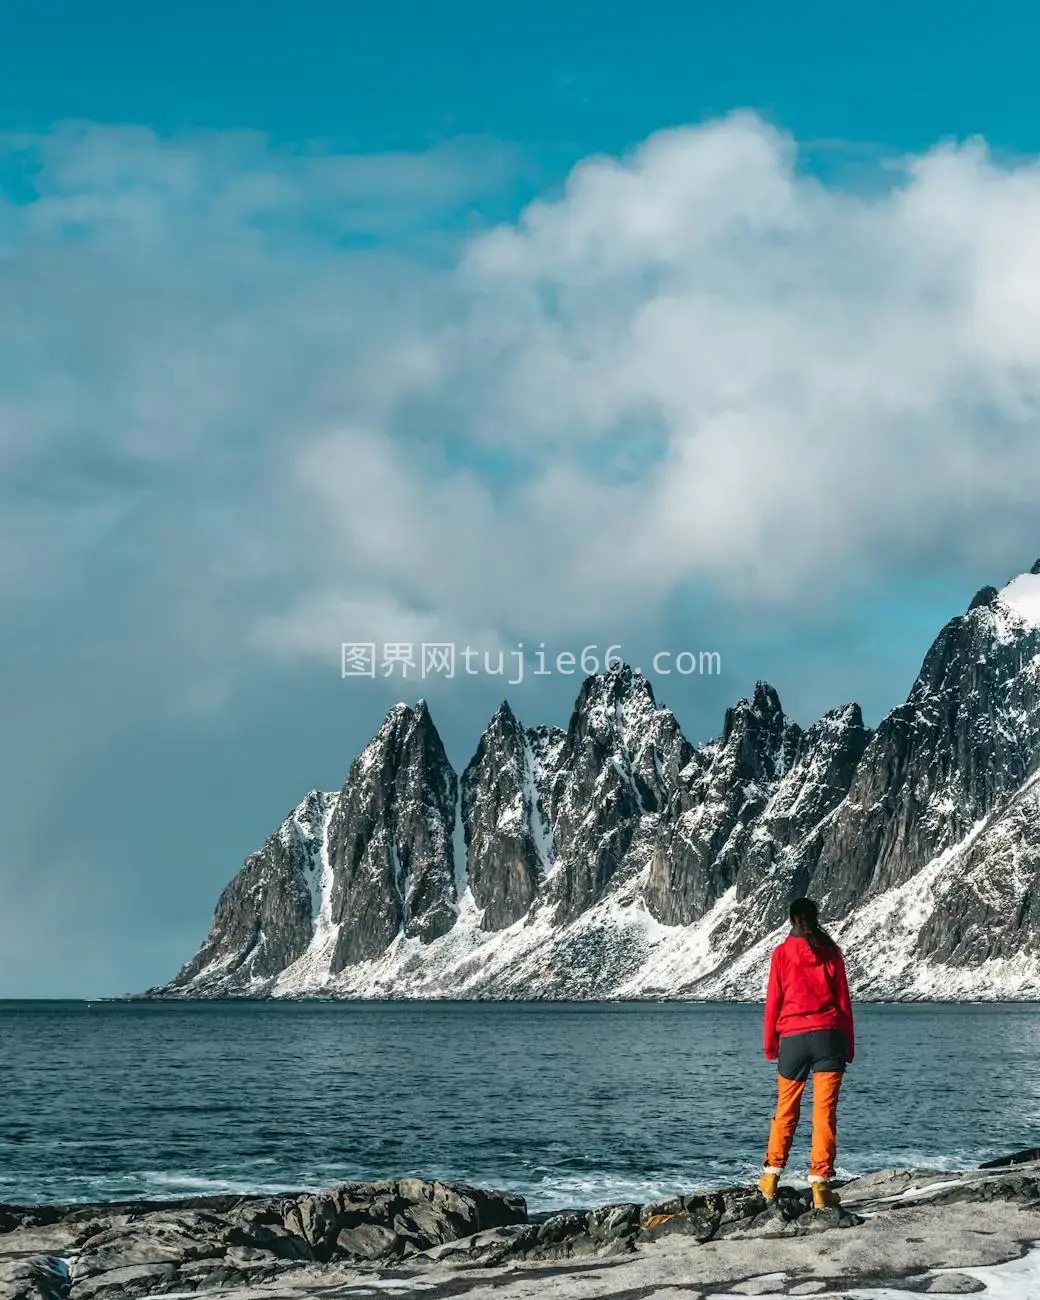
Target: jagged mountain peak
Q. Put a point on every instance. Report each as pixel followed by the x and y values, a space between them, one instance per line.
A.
pixel 308 815
pixel 404 725
pixel 841 730
pixel 983 598
pixel 1018 601
pixel 504 716
pixel 618 684
pixel 506 829
pixel 843 718
pixel 1021 599
pixel 397 717
pixel 763 708
pixel 390 841
pixel 966 738
pixel 615 771
pixel 758 738
pixel 1001 615
pixel 573 836
pixel 614 708
pixel 765 701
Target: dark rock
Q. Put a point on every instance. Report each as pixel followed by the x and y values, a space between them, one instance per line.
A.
pixel 507 832
pixel 368 1241
pixel 618 764
pixel 390 840
pixel 123 1251
pixel 823 1220
pixel 489 1247
pixel 700 1225
pixel 966 739
pixel 131 1279
pixel 738 1204
pixel 983 597
pixel 411 1223
pixel 562 1227
pixel 613 1222
pixel 263 920
pixel 1029 1156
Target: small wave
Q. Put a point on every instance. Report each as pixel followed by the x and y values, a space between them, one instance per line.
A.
pixel 175 1183
pixel 545 1187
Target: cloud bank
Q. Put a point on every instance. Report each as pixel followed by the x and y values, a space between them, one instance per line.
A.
pixel 222 370
pixel 255 401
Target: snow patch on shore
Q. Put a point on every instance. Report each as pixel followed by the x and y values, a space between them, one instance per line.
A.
pixel 1018 1279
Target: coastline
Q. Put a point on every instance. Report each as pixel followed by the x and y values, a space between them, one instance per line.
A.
pixel 350 999
pixel 897 1232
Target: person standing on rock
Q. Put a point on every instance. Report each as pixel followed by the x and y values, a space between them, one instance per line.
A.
pixel 808 1029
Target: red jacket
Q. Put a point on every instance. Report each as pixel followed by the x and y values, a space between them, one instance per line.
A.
pixel 806 993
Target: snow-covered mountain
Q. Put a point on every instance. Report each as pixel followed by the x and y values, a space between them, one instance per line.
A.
pixel 616 860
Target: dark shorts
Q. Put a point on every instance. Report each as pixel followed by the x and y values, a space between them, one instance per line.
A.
pixel 819 1049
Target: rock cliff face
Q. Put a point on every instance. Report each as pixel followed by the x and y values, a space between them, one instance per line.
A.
pixel 617 766
pixel 262 921
pixel 390 841
pixel 616 859
pixel 724 790
pixel 965 740
pixel 508 838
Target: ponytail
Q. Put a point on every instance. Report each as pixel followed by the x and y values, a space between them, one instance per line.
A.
pixel 805 920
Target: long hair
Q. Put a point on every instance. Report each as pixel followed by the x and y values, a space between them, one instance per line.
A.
pixel 805 920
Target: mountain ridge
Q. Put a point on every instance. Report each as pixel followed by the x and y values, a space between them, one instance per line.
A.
pixel 614 858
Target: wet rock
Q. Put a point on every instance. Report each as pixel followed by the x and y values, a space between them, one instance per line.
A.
pixel 1029 1156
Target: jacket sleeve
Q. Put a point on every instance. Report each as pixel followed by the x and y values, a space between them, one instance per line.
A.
pixel 845 1005
pixel 774 1001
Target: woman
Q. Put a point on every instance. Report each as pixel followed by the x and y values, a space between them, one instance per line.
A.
pixel 808 1027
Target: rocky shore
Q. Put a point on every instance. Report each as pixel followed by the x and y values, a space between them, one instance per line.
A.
pixel 897 1233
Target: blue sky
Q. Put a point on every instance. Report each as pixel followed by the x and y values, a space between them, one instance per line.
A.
pixel 571 78
pixel 663 325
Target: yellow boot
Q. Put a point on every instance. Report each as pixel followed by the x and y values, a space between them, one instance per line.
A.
pixel 823 1198
pixel 767 1185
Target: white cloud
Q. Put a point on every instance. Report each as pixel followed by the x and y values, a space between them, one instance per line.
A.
pixel 257 401
pixel 696 362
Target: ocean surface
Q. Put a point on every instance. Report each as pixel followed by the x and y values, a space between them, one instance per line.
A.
pixel 569 1105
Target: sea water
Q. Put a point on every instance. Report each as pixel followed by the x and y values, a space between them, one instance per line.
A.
pixel 566 1104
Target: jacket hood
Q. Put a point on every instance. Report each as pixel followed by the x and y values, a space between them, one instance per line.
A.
pixel 802 950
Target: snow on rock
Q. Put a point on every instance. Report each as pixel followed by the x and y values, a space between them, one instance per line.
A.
pixel 1022 597
pixel 615 859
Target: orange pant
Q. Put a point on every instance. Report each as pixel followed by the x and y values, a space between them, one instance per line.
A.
pixel 826 1084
